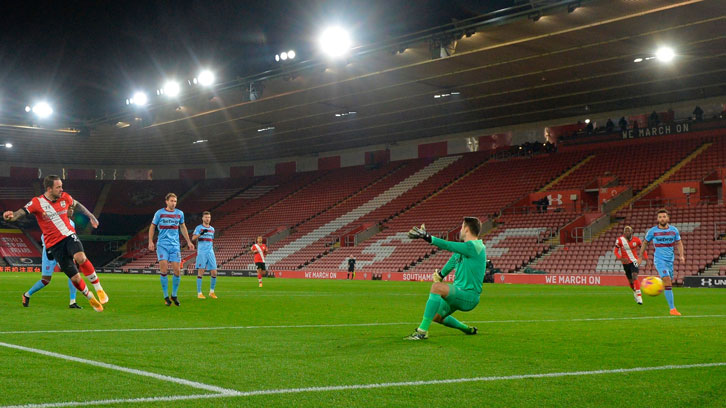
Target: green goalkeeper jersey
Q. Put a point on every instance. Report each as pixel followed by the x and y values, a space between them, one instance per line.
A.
pixel 469 260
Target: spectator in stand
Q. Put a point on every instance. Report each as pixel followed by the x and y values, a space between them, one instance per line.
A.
pixel 542 204
pixel 589 128
pixel 609 126
pixel 653 120
pixel 623 124
pixel 636 128
pixel 698 114
pixel 550 148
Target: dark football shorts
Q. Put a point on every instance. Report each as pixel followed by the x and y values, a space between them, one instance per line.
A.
pixel 261 265
pixel 630 269
pixel 63 252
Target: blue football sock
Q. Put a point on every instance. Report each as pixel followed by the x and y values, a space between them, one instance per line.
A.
pixel 165 285
pixel 175 285
pixel 199 284
pixel 213 284
pixel 72 290
pixel 38 286
pixel 669 296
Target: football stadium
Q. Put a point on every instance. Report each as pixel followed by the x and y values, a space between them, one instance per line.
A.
pixel 314 203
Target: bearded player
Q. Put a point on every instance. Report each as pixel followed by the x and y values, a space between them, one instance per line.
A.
pixel 62 243
pixel 626 250
pixel 665 237
pixel 469 260
pixel 204 235
pixel 46 272
pixel 260 251
pixel 169 220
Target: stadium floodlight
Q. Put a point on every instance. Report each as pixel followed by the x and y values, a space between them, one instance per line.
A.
pixel 172 89
pixel 291 54
pixel 139 99
pixel 27 109
pixel 587 121
pixel 206 78
pixel 42 110
pixel 665 54
pixel 334 42
pixel 637 60
pixel 8 145
pixel 277 57
pixel 283 56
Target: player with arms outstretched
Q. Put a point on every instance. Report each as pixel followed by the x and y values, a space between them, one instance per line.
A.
pixel 204 235
pixel 469 260
pixel 260 251
pixel 626 250
pixel 62 243
pixel 48 267
pixel 169 220
pixel 664 237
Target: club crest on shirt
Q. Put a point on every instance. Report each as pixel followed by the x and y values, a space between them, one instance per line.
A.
pixel 63 204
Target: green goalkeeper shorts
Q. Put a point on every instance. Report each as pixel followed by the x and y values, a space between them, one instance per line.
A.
pixel 458 299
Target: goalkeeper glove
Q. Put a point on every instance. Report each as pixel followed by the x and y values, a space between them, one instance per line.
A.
pixel 436 276
pixel 419 233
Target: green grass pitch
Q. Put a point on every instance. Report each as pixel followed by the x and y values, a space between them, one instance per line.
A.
pixel 269 346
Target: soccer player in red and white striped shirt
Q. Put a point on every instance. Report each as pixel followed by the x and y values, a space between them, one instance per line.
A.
pixel 62 243
pixel 626 249
pixel 259 249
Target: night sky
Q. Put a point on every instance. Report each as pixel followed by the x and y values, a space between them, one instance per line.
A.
pixel 86 57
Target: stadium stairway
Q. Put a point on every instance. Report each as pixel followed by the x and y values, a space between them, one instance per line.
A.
pixel 665 176
pixel 366 208
pixel 717 269
pixel 710 159
pixel 631 162
pixel 567 173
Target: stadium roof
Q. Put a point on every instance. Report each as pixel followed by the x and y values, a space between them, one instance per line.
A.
pixel 562 65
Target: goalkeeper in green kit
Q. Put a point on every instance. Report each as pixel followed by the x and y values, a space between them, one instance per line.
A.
pixel 469 260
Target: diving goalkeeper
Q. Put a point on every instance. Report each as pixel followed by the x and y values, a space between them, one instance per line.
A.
pixel 469 260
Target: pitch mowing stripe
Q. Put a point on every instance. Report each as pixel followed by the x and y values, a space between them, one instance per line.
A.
pixel 322 326
pixel 372 386
pixel 161 377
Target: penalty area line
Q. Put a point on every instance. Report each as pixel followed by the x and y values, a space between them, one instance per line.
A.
pixel 323 326
pixel 181 381
pixel 374 385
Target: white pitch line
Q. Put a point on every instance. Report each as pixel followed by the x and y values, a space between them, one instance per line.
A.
pixel 119 401
pixel 322 326
pixel 373 386
pixel 134 371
